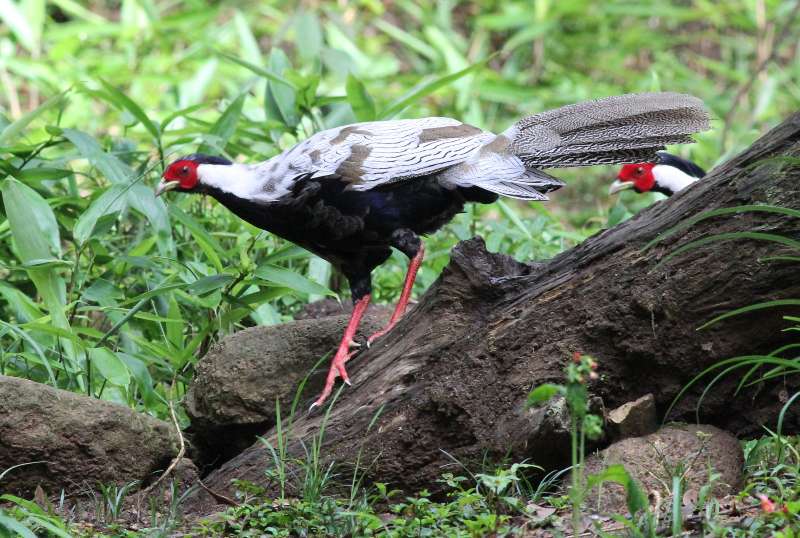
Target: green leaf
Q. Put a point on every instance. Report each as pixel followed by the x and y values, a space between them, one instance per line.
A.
pixel 225 126
pixel 110 366
pixel 19 25
pixel 269 75
pixel 144 380
pixel 121 100
pixel 24 308
pixel 289 279
pixel 636 499
pixel 731 236
pixel 427 88
pixel 142 199
pixel 543 393
pixel 108 204
pixel 360 101
pixel 309 35
pixel 12 525
pixel 35 232
pixel 205 240
pixel 33 223
pixel 208 284
pixel 751 308
pixel 512 215
pixel 34 175
pixel 721 212
pixel 281 102
pixel 111 167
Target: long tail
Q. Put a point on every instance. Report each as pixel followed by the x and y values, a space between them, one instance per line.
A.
pixel 623 129
pixel 620 129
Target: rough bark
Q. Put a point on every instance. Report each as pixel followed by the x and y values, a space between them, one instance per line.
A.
pixel 451 380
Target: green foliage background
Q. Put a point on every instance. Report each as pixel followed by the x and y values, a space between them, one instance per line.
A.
pixel 111 292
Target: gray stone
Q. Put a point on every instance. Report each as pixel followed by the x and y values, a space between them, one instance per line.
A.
pixel 232 398
pixel 633 419
pixel 687 450
pixel 81 441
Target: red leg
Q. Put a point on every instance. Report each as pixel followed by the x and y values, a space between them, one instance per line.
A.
pixel 343 353
pixel 402 303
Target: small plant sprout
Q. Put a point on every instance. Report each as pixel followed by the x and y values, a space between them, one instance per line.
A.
pixel 583 424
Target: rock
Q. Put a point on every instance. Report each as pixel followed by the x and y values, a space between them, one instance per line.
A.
pixel 633 419
pixel 81 441
pixel 652 460
pixel 232 399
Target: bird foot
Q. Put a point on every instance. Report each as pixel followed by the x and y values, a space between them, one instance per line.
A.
pixel 337 369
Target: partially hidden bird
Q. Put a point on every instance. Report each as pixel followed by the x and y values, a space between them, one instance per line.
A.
pixel 350 194
pixel 666 174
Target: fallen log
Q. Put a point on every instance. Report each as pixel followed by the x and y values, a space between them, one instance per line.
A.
pixel 451 380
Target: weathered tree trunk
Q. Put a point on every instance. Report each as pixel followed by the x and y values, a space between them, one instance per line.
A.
pixel 452 378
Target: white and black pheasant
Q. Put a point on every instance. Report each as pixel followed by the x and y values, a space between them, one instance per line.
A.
pixel 667 174
pixel 349 194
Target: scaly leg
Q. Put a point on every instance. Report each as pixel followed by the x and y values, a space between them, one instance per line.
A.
pixel 343 353
pixel 402 303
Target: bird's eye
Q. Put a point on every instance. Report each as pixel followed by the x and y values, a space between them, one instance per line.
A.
pixel 185 170
pixel 639 170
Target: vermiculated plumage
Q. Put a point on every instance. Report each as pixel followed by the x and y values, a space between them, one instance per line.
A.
pixel 350 194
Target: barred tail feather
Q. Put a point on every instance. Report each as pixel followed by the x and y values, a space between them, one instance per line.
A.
pixel 620 129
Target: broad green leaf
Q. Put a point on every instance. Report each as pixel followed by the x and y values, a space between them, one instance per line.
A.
pixel 10 524
pixel 142 199
pixel 19 24
pixel 636 499
pixel 110 166
pixel 247 41
pixel 290 279
pixel 205 240
pixel 225 126
pixel 33 175
pixel 110 203
pixel 208 284
pixel 35 232
pixel 14 130
pixel 144 380
pixel 23 307
pixel 139 197
pixel 174 329
pixel 280 102
pixel 360 101
pixel 319 271
pixel 110 366
pixel 543 393
pixel 193 89
pixel 32 221
pixel 123 101
pixel 309 35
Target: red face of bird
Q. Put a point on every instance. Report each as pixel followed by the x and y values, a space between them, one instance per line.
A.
pixel 637 176
pixel 180 175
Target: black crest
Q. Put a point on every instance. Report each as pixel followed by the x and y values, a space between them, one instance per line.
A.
pixel 684 165
pixel 202 158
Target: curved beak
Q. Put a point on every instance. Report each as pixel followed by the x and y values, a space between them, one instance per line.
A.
pixel 166 185
pixel 619 186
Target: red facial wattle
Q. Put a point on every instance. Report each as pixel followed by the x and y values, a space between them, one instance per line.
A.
pixel 640 174
pixel 184 172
